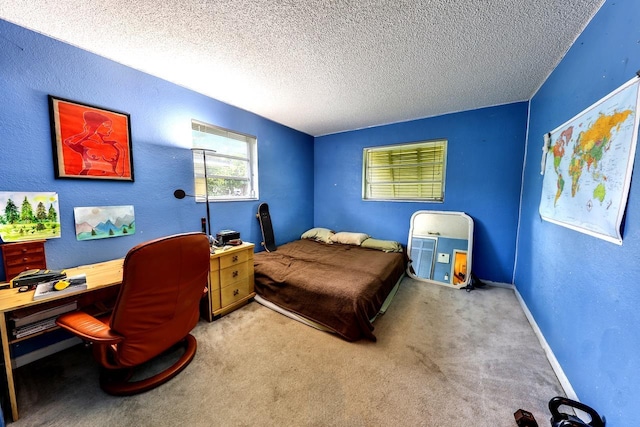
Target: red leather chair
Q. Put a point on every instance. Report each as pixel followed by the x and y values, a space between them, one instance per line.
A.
pixel 156 309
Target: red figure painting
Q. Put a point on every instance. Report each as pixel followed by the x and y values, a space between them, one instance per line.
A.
pixel 90 142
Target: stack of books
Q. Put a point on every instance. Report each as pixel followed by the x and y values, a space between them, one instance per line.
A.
pixel 40 321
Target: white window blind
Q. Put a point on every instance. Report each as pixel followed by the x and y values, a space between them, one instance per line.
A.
pixel 231 163
pixel 414 171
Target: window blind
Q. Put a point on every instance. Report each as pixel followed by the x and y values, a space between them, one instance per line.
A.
pixel 413 171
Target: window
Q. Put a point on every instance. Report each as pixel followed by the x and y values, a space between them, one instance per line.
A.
pixel 412 172
pixel 232 166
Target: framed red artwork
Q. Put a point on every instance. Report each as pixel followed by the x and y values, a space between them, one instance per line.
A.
pixel 90 142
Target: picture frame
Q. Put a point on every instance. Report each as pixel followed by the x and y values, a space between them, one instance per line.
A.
pixel 90 142
pixel 29 216
pixel 102 222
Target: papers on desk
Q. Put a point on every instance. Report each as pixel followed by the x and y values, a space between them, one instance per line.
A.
pixel 56 288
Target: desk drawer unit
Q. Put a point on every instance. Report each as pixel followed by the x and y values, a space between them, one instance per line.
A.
pixel 19 257
pixel 230 281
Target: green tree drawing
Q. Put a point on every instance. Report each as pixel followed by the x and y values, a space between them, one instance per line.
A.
pixel 52 215
pixel 26 213
pixel 11 212
pixel 41 212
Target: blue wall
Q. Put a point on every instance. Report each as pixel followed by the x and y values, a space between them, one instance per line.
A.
pixel 583 291
pixel 33 66
pixel 478 141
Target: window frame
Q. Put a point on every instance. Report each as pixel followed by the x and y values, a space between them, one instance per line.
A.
pixel 420 146
pixel 251 147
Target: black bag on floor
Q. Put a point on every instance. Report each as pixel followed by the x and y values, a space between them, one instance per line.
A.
pixel 559 419
pixel 474 283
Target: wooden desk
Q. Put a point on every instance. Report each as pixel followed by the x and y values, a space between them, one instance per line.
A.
pixel 99 276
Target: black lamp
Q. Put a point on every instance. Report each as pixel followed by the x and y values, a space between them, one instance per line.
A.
pixel 181 194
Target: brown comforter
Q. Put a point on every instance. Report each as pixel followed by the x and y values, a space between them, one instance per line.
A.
pixel 338 286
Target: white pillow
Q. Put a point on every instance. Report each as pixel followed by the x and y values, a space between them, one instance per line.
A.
pixel 349 238
pixel 382 245
pixel 319 234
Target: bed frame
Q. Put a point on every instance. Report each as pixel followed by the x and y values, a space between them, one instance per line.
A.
pixel 335 288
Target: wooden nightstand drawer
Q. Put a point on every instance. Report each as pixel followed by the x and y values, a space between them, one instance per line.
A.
pixel 233 259
pixel 234 292
pixel 233 274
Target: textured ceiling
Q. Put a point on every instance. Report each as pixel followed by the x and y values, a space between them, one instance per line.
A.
pixel 325 66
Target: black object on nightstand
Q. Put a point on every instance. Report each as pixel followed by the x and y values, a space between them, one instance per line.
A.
pixel 224 236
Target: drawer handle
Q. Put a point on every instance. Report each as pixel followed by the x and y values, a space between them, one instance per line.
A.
pixel 24 250
pixel 235 273
pixel 236 292
pixel 235 258
pixel 25 259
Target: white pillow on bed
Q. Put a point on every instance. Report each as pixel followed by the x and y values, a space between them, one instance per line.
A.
pixel 349 238
pixel 319 234
pixel 382 245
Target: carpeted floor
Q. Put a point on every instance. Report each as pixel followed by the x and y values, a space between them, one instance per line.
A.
pixel 444 357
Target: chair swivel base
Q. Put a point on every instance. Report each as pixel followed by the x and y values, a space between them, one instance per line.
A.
pixel 116 381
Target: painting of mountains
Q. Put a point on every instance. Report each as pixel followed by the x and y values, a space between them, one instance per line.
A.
pixel 103 222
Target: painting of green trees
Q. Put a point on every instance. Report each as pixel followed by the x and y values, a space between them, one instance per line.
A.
pixel 28 216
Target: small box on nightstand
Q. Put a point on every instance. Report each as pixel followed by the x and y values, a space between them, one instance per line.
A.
pixel 224 236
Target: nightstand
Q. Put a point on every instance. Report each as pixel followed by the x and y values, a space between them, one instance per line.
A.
pixel 230 281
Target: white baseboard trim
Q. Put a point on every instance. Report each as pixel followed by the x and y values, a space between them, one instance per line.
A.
pixel 555 365
pixel 499 284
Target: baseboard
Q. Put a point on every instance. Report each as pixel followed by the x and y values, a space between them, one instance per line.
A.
pixel 555 365
pixel 499 284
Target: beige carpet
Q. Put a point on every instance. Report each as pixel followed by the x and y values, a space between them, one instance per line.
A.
pixel 444 357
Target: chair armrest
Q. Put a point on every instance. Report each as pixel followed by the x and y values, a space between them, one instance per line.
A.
pixel 88 328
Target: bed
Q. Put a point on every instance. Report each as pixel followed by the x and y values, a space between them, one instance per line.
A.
pixel 334 284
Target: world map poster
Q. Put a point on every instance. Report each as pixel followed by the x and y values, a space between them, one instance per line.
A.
pixel 588 165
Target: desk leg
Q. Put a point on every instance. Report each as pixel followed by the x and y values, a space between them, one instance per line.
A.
pixel 7 366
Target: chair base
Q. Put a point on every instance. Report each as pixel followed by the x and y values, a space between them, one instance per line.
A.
pixel 116 381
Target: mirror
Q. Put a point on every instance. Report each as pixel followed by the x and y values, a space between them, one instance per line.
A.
pixel 439 247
